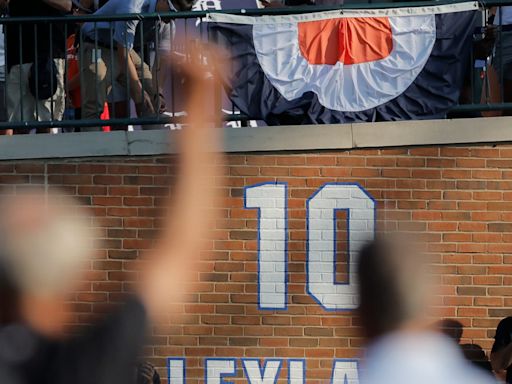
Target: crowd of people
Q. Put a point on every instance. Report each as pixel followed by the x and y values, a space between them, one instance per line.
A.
pixel 87 70
pixel 84 70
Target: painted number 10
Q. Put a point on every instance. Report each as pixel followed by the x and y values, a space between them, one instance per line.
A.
pixel 270 199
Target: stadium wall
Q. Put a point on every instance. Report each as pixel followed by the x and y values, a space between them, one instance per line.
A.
pixel 457 197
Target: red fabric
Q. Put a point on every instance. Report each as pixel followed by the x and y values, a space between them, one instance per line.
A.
pixel 345 40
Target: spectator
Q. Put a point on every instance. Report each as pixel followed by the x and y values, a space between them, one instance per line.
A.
pixel 501 355
pixel 102 67
pixel 74 107
pixel 153 57
pixel 395 298
pixel 26 100
pixel 44 242
pixel 74 110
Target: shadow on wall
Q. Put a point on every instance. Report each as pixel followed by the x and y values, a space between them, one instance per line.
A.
pixel 473 352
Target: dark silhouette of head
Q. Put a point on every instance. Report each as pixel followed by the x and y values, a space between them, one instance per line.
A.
pixel 451 328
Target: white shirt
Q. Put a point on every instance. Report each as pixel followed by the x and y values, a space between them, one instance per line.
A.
pixel 419 358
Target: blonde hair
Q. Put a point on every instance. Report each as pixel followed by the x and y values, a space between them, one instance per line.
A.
pixel 45 239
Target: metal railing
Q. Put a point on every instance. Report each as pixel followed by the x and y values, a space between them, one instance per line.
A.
pixel 99 64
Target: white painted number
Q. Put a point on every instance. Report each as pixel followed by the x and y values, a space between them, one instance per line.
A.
pixel 321 255
pixel 176 369
pixel 271 201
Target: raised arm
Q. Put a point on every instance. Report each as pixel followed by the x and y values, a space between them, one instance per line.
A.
pixel 173 262
pixel 61 5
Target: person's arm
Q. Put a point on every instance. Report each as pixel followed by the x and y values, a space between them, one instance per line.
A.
pixel 173 262
pixel 61 5
pixel 105 353
pixel 127 65
pixel 124 35
pixel 143 102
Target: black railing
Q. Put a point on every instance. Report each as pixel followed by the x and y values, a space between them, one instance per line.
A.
pixel 96 64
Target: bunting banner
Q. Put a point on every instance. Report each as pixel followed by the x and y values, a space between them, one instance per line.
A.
pixel 348 65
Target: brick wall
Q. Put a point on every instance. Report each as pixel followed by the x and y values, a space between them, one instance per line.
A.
pixel 460 198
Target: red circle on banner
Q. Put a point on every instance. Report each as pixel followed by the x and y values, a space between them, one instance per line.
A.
pixel 346 40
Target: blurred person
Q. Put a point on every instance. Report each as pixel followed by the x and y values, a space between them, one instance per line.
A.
pixel 396 297
pixel 46 241
pixel 35 88
pixel 102 67
pixel 501 354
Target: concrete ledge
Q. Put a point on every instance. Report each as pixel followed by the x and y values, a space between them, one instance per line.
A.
pixel 265 139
